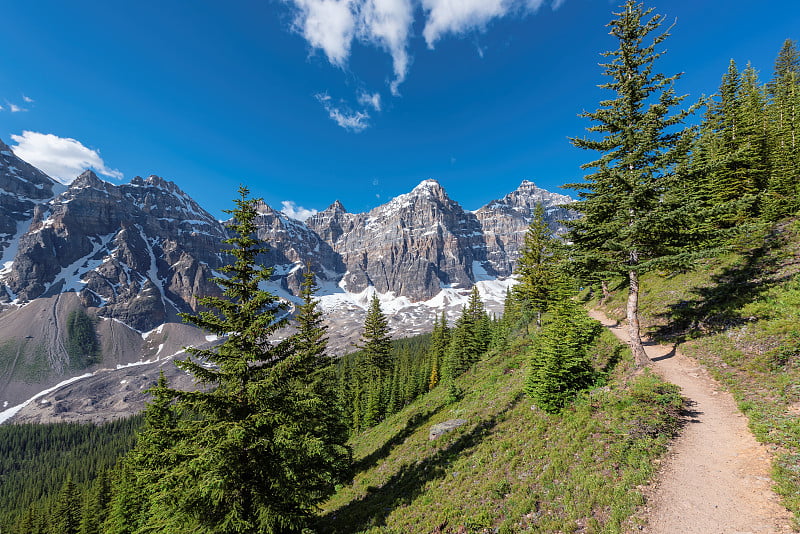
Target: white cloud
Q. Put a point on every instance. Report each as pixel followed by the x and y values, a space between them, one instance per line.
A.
pixel 351 121
pixel 332 25
pixel 293 211
pixel 15 108
pixel 27 99
pixel 61 158
pixel 373 100
pixel 327 24
pixel 347 119
pixel 459 16
pixel 1 108
pixel 387 24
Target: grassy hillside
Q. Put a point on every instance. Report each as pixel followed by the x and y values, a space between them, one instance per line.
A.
pixel 739 314
pixel 511 467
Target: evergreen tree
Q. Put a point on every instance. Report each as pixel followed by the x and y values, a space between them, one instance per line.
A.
pixel 25 524
pixel 628 217
pixel 82 345
pixel 469 338
pixel 730 154
pixel 536 266
pixel 245 460
pixel 377 347
pixel 96 505
pixel 784 89
pixel 479 326
pixel 139 474
pixel 755 127
pixel 560 366
pixel 440 340
pixel 66 514
pixel 310 342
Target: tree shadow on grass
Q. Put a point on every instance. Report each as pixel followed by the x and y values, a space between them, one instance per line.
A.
pixel 716 306
pixel 413 423
pixel 407 483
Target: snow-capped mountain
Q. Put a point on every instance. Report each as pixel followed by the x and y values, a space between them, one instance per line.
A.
pixel 133 256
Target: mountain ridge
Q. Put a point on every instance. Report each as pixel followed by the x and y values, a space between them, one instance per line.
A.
pixel 137 255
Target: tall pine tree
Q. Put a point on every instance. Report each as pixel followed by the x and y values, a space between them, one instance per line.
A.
pixel 247 458
pixel 537 268
pixel 377 347
pixel 784 89
pixel 626 223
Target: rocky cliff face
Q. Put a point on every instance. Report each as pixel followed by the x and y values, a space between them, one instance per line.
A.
pixel 139 252
pixel 22 188
pixel 413 246
pixel 505 221
pixel 293 247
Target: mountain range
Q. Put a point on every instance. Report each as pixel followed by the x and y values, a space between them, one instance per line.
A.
pixel 131 257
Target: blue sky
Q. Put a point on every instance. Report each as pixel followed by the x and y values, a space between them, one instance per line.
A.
pixel 309 101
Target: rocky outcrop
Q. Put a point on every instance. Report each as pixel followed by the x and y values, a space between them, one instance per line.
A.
pixel 505 221
pixel 413 246
pixel 22 188
pixel 441 429
pixel 141 252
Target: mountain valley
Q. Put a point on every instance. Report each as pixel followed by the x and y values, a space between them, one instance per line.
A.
pixel 134 256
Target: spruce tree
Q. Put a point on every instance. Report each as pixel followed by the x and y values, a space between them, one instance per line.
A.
pixel 311 340
pixel 376 344
pixel 628 224
pixel 730 154
pixel 247 457
pixel 138 475
pixel 440 340
pixel 560 366
pixel 536 266
pixel 66 514
pixel 96 505
pixel 469 338
pixel 784 108
pixel 480 331
pixel 27 523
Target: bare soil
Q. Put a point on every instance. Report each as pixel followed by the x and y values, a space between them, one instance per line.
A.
pixel 716 477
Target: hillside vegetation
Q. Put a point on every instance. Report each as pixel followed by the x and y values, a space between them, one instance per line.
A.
pixel 739 315
pixel 511 467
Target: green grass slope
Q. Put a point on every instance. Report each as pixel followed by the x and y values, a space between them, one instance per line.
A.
pixel 511 467
pixel 739 315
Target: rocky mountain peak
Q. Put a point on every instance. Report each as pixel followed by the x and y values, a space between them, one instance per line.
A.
pixel 525 197
pixel 262 208
pixel 161 183
pixel 22 178
pixel 429 187
pixel 505 221
pixel 336 207
pixel 425 203
pixel 87 179
pixel 22 188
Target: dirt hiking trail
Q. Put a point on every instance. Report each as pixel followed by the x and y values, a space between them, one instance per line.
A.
pixel 716 477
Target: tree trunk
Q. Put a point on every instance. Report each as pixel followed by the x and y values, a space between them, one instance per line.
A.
pixel 639 355
pixel 606 292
